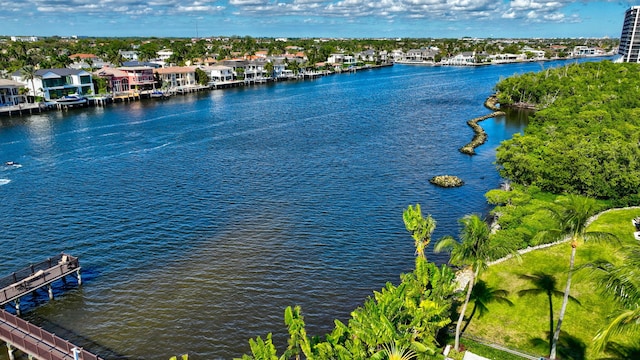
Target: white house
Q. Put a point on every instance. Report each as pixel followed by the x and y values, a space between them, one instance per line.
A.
pixel 462 59
pixel 129 55
pixel 219 74
pixel 56 83
pixel 10 92
pixel 177 77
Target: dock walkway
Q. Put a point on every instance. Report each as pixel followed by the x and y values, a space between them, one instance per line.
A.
pixel 34 277
pixel 20 334
pixel 36 342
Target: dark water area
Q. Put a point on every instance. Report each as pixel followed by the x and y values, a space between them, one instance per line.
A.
pixel 198 219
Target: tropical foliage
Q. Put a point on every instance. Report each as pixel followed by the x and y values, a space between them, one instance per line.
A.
pixel 623 283
pixel 587 142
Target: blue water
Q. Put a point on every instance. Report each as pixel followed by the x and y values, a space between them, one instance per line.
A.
pixel 198 219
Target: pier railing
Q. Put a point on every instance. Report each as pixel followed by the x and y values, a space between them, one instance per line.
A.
pixel 37 342
pixel 36 275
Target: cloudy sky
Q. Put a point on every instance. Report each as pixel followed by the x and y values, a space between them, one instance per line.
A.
pixel 315 18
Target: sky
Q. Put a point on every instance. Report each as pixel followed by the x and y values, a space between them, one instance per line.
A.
pixel 315 18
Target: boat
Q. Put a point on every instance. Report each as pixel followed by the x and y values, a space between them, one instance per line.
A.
pixel 11 163
pixel 157 94
pixel 72 99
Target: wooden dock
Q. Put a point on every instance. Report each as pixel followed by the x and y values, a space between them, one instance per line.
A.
pixel 34 277
pixel 20 334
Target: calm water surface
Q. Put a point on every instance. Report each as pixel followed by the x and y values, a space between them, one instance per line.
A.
pixel 198 219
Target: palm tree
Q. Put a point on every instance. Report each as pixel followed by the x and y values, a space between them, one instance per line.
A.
pixel 29 73
pixel 473 253
pixel 619 351
pixel 482 295
pixel 573 218
pixel 544 284
pixel 420 228
pixel 623 283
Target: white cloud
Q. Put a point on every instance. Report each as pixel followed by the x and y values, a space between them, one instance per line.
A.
pixel 242 12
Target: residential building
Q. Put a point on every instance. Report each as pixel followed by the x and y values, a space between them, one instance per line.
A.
pixel 129 55
pixel 345 60
pixel 630 38
pixel 422 54
pixel 10 92
pixel 55 83
pixel 128 79
pixel 462 59
pixel 177 77
pixel 219 73
pixel 24 38
pixel 117 80
pixel 86 61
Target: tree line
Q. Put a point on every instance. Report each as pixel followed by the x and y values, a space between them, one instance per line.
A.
pixel 584 137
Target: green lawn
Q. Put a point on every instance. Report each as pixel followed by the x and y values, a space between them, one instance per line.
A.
pixel 520 326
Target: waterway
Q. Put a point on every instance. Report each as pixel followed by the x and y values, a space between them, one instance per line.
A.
pixel 198 219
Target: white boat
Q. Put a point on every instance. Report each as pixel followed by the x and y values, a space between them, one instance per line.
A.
pixel 72 99
pixel 157 94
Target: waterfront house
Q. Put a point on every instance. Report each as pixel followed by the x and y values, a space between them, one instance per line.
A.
pixel 398 55
pixel 117 80
pixel 140 78
pixel 55 83
pixel 507 58
pixel 10 93
pixel 462 59
pixel 128 79
pixel 421 55
pixel 367 56
pixel 341 59
pixel 219 74
pixel 177 77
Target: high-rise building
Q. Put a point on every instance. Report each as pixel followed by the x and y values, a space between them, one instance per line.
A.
pixel 630 37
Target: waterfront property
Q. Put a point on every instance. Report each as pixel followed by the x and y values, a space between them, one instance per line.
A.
pixel 52 84
pixel 179 78
pixel 10 93
pixel 127 82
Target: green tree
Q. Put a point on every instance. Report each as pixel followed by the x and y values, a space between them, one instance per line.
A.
pixel 269 68
pixel 573 220
pixel 420 228
pixel 28 73
pixel 544 284
pixel 201 77
pixel 473 253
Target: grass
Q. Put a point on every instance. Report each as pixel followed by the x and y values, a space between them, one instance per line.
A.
pixel 525 325
pixel 487 351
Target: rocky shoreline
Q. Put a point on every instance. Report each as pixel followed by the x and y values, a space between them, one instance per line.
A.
pixel 480 136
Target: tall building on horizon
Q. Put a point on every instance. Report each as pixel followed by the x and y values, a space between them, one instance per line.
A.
pixel 630 37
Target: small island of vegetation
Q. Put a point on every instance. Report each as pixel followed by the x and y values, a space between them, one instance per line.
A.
pixel 446 181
